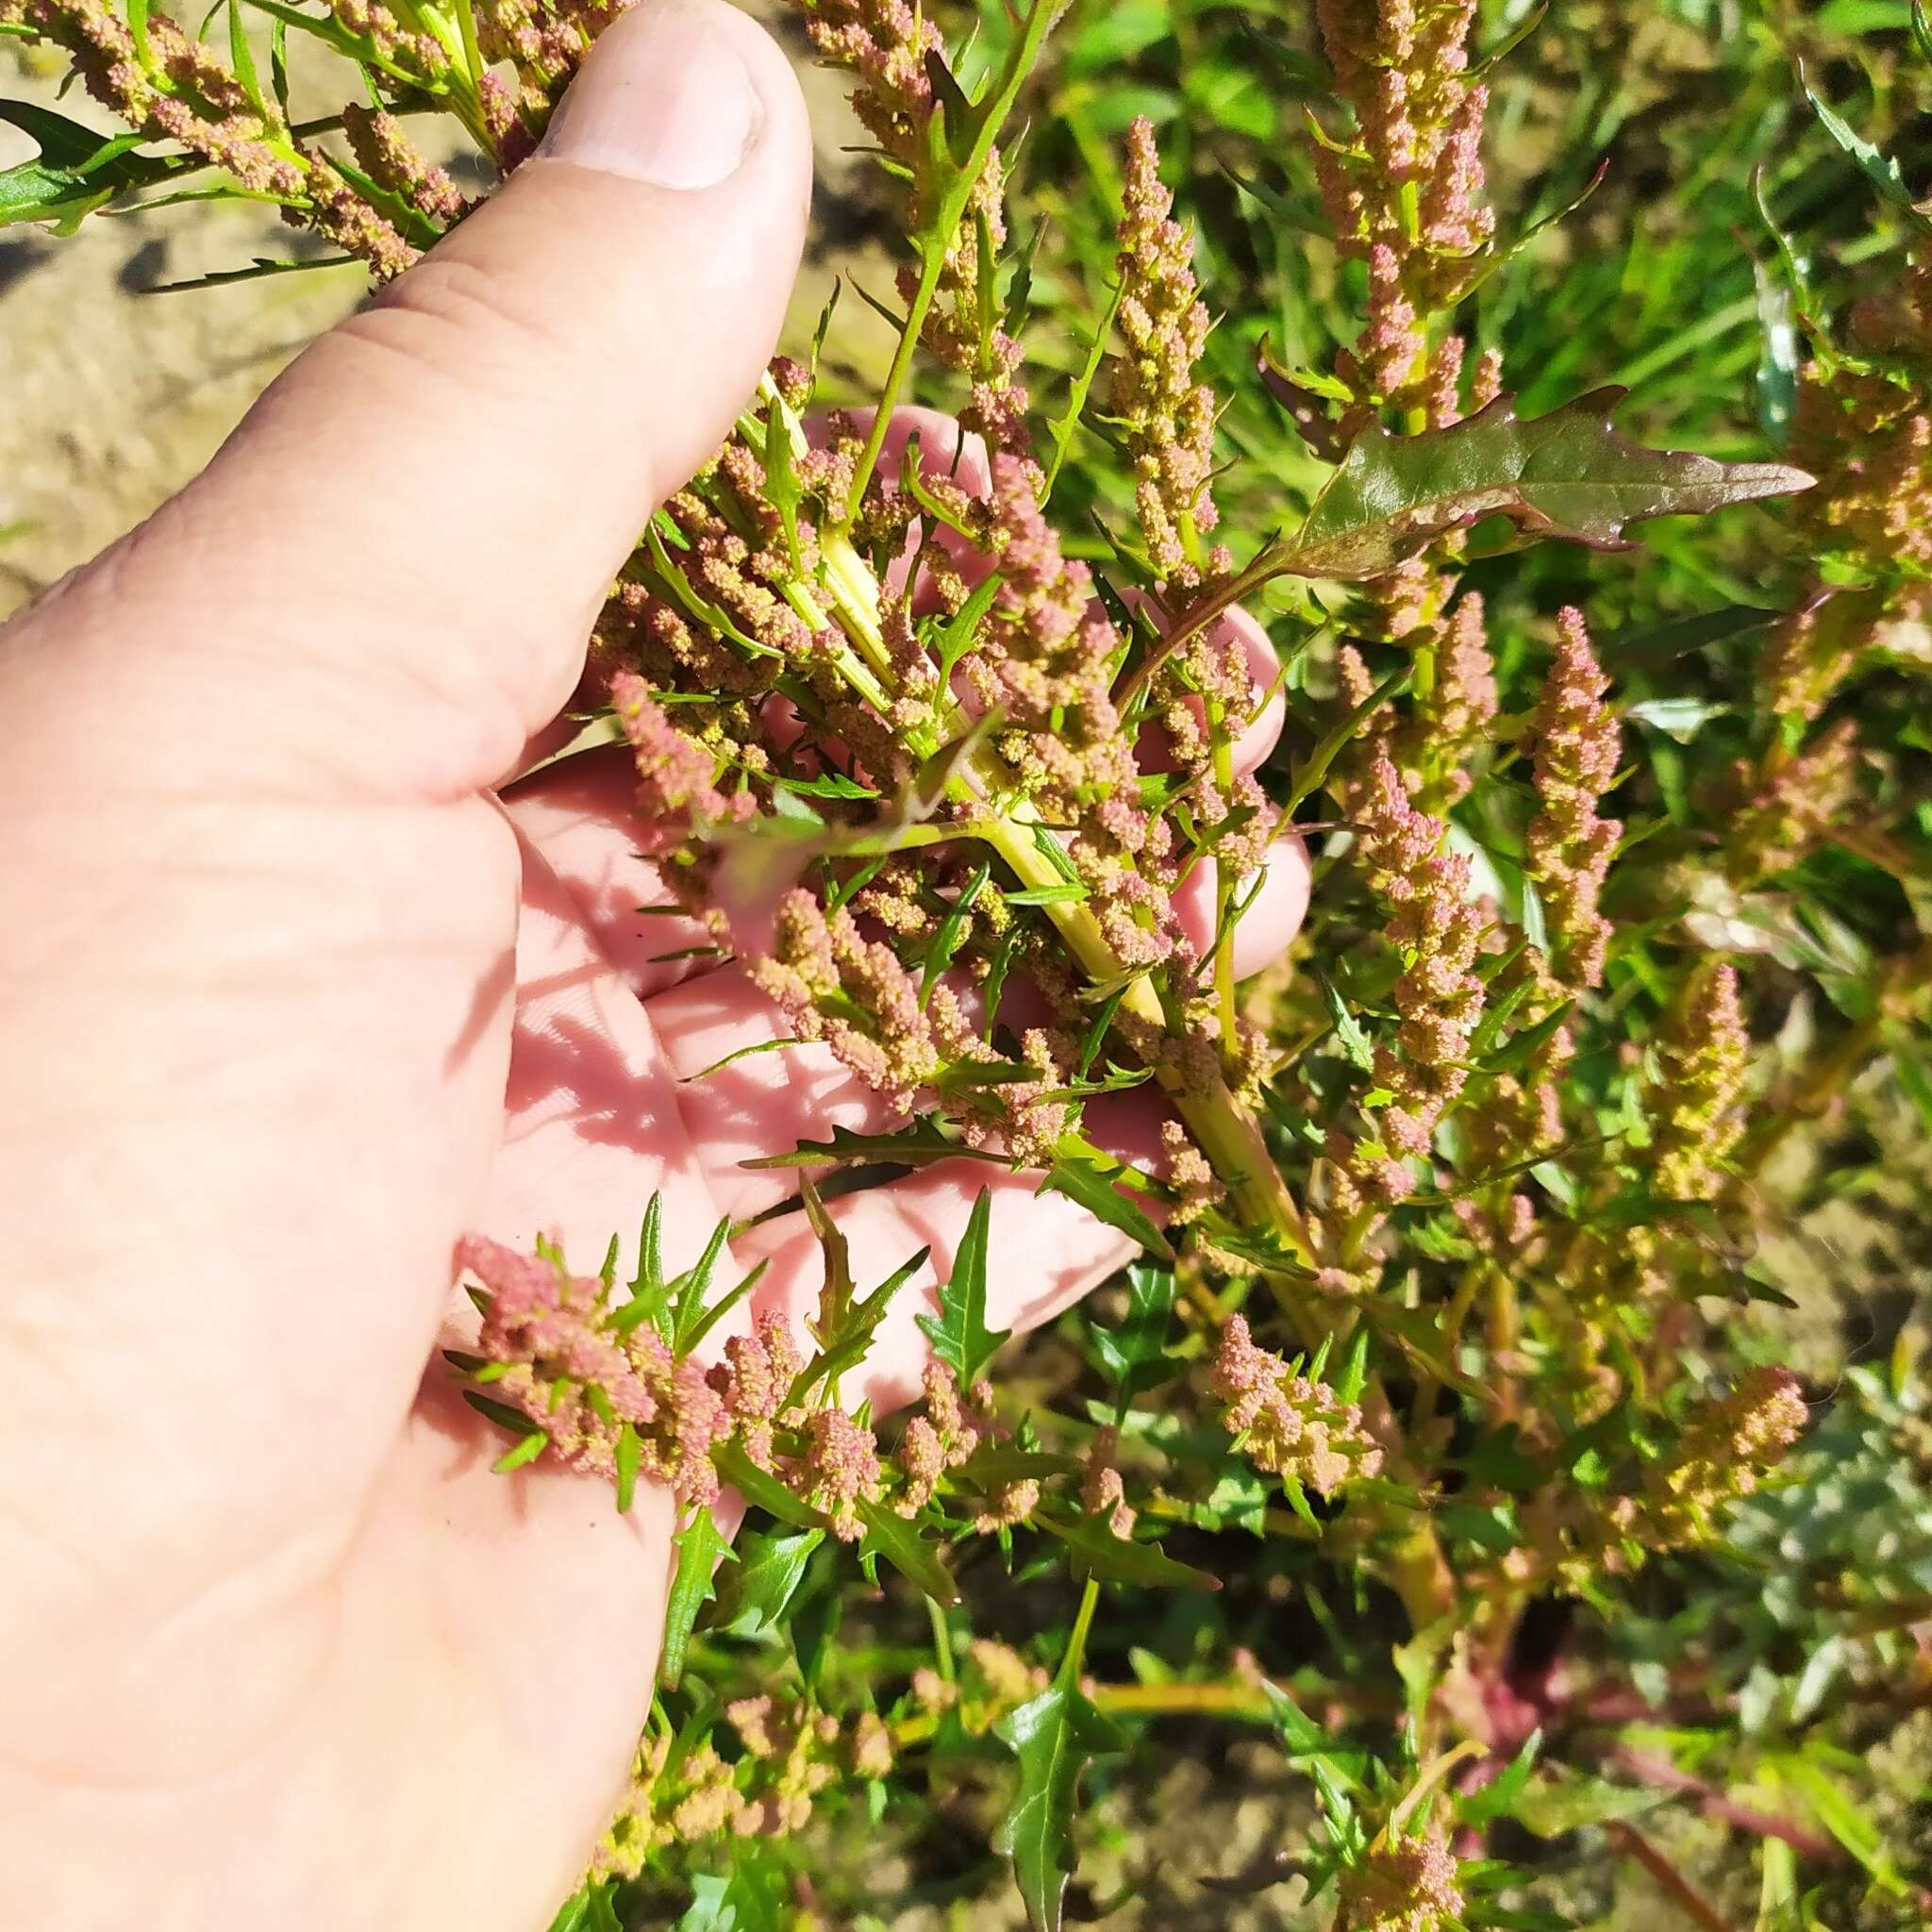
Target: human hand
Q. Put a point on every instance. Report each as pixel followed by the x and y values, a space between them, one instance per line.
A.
pixel 288 1001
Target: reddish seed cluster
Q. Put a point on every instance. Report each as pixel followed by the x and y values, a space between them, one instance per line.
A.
pixel 1167 417
pixel 390 157
pixel 943 1439
pixel 1436 924
pixel 1102 1491
pixel 544 41
pixel 1703 1052
pixel 1724 1453
pixel 677 776
pixel 1406 196
pixel 1289 1425
pixel 826 973
pixel 755 1380
pixel 583 1382
pixel 1578 749
pixel 885 45
pixel 1786 804
pixel 790 1752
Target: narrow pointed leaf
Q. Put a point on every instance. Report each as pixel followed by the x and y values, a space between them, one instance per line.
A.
pixel 1877 167
pixel 757 1589
pixel 1097 1552
pixel 961 1336
pixel 1083 1181
pixel 699 1546
pixel 898 1542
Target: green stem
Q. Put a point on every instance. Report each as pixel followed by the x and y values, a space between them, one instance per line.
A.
pixel 932 266
pixel 1067 1676
pixel 945 184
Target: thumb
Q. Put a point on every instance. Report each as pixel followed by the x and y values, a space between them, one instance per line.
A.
pixel 397 556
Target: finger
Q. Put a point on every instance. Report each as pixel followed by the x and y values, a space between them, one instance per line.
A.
pixel 1233 630
pixel 1043 1255
pixel 1269 919
pixel 581 815
pixel 746 1096
pixel 408 536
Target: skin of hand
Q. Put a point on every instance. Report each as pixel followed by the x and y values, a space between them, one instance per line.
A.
pixel 291 998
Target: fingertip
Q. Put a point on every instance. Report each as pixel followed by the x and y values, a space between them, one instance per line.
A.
pixel 1264 731
pixel 1275 916
pixel 1272 916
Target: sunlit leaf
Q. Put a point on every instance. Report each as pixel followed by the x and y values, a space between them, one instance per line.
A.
pixel 1054 1738
pixel 959 1335
pixel 1566 474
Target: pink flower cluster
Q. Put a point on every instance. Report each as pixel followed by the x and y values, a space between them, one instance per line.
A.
pixel 1404 196
pixel 1577 751
pixel 1288 1424
pixel 1168 417
pixel 585 1381
pixel 1437 923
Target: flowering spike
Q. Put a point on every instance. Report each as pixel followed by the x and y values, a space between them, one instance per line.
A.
pixel 1290 1425
pixel 1168 417
pixel 1577 748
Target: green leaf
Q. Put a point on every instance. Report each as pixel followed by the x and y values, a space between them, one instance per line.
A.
pixel 962 632
pixel 1054 1738
pixel 1336 1774
pixel 851 1340
pixel 1355 1371
pixel 1133 1350
pixel 1566 474
pixel 1496 1798
pixel 1879 169
pixel 242 57
pixel 526 1451
pixel 650 1299
pixel 1097 1552
pixel 1355 1043
pixel 1524 1046
pixel 890 1536
pixel 688 1297
pixel 959 1335
pixel 830 785
pixel 759 1588
pixel 630 1455
pixel 1084 1181
pixel 699 1547
pixel 918 1145
pixel 761 1489
pixel 1843 1818
pixel 952 929
pixel 77 170
pixel 1551 1809
pixel 501 1413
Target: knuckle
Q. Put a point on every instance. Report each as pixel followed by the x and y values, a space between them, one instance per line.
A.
pixel 461 327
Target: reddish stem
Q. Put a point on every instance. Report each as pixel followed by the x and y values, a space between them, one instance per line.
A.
pixel 1664 1776
pixel 1672 1881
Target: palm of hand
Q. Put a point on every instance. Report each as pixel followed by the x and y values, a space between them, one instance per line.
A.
pixel 291 1000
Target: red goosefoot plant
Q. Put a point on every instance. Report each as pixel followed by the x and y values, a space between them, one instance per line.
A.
pixel 1442 1222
